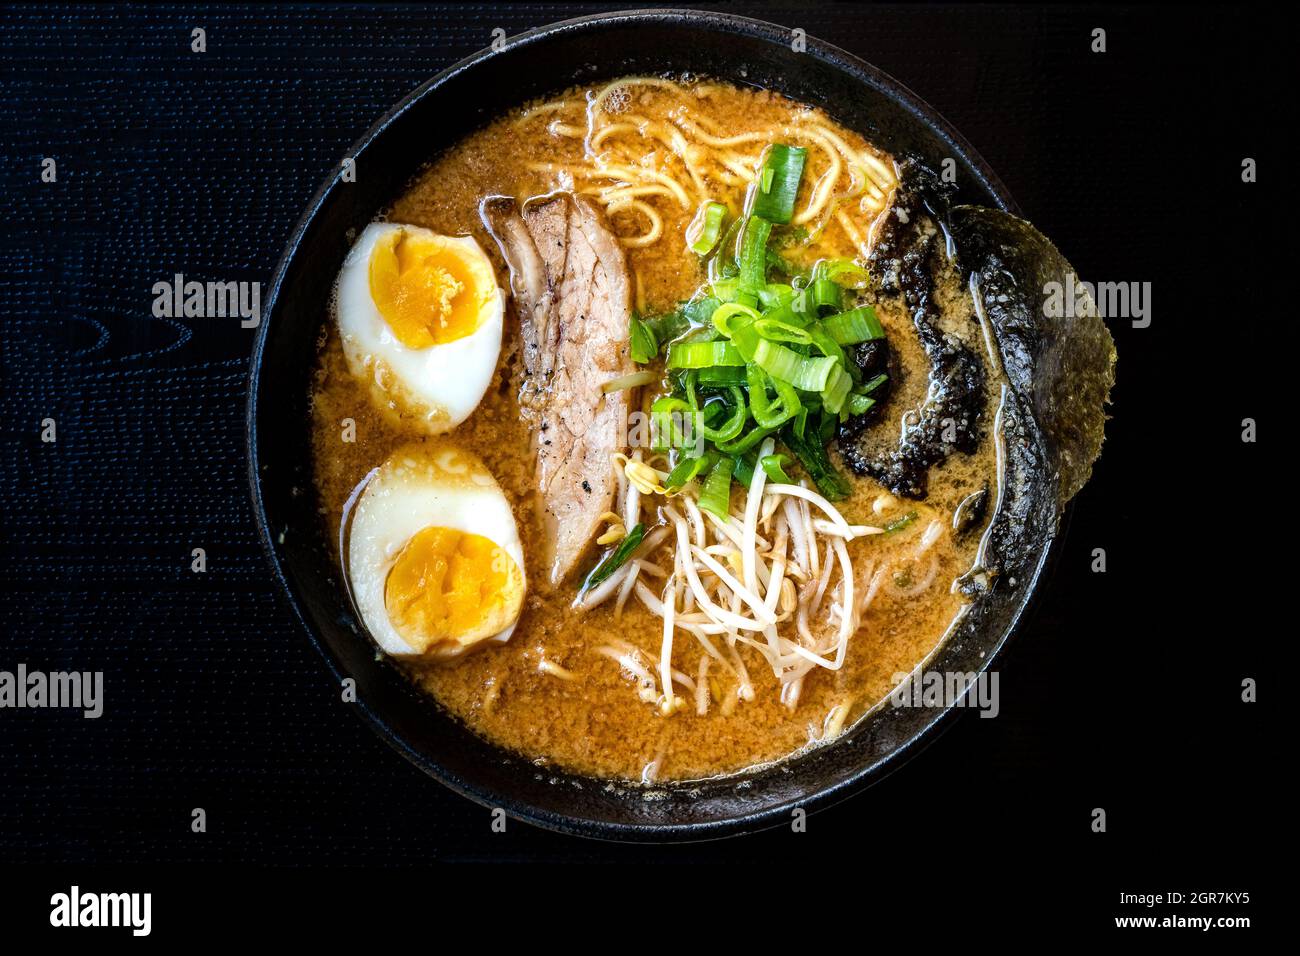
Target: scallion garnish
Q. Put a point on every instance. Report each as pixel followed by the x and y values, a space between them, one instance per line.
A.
pixel 823 294
pixel 868 387
pixel 844 271
pixel 837 390
pixel 898 524
pixel 743 471
pixel 702 233
pixel 745 442
pixel 641 343
pixel 753 358
pixel 811 452
pixel 669 416
pixel 769 414
pixel 804 372
pixel 722 375
pixel 615 559
pixel 774 467
pixel 734 424
pixel 647 336
pixel 775 294
pixel 753 254
pixel 703 354
pixel 722 264
pixel 778 183
pixel 778 330
pixel 688 469
pixel 856 325
pixel 716 495
pixel 860 404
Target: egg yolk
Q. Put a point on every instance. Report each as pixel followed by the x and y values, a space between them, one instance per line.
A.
pixel 423 287
pixel 449 585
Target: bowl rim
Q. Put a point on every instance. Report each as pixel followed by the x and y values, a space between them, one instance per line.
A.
pixel 576 825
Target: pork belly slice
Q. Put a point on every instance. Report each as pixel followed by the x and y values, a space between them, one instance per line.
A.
pixel 573 296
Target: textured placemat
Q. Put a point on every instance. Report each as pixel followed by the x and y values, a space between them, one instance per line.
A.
pixel 171 161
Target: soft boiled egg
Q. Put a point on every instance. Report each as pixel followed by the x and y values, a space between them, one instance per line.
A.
pixel 434 560
pixel 420 318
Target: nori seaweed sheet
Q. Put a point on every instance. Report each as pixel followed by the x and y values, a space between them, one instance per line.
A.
pixel 1064 366
pixel 1058 370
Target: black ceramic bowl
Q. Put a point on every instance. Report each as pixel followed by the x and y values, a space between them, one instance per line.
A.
pixel 435 116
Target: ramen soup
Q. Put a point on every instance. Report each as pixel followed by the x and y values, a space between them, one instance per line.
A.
pixel 656 429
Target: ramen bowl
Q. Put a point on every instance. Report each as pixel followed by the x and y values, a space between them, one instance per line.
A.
pixel 434 117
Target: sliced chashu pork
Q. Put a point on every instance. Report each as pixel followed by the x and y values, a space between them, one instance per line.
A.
pixel 573 296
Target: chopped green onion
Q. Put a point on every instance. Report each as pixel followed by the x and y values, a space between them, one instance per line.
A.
pixel 783 265
pixel 753 254
pixel 844 271
pixel 868 387
pixel 778 182
pixel 826 429
pixel 801 422
pixel 774 466
pixel 668 326
pixel 723 314
pixel 647 336
pixel 802 371
pixel 723 262
pixel 828 346
pixel 686 470
pixel 734 425
pixel 702 233
pixel 730 290
pixel 823 294
pixel 722 375
pixel 778 331
pixel 786 313
pixel 898 524
pixel 616 558
pixel 775 294
pixel 744 469
pixel 860 404
pixel 641 343
pixel 686 385
pixel 768 414
pixel 857 325
pixel 698 334
pixel 716 495
pixel 748 359
pixel 745 442
pixel 703 354
pixel 837 390
pixel 670 403
pixel 698 311
pixel 811 452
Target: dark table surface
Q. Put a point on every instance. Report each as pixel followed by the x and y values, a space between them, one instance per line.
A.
pixel 1124 693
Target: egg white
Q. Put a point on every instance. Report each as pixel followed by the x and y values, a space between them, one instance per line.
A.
pixel 437 386
pixel 419 487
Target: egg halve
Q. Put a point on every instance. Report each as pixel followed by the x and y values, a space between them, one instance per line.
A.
pixel 420 318
pixel 434 560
